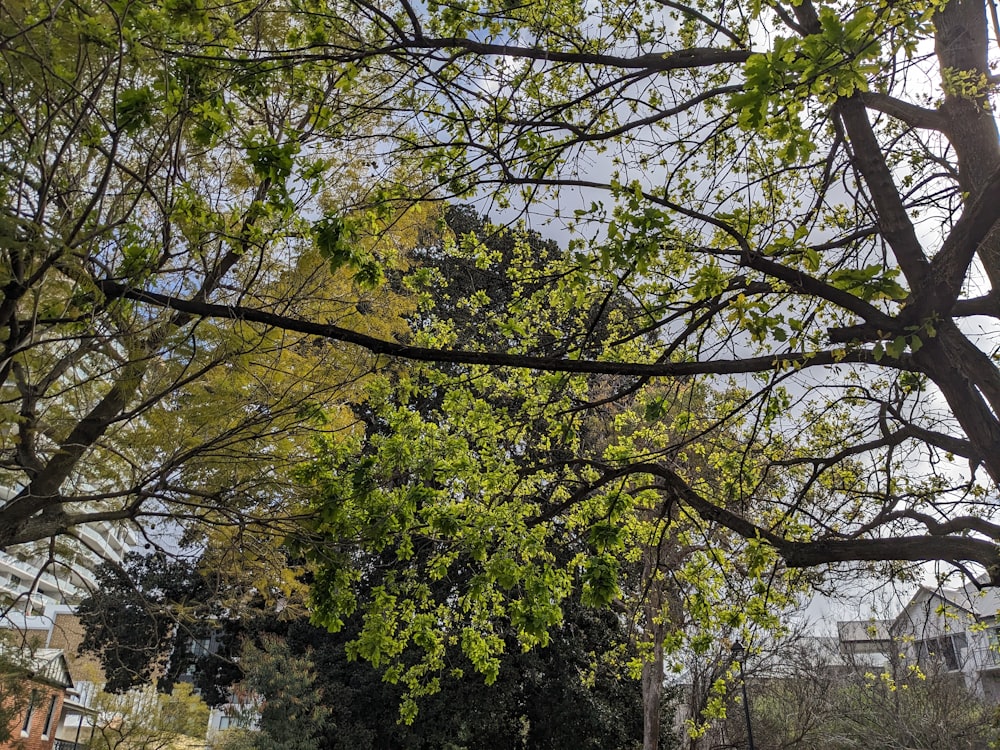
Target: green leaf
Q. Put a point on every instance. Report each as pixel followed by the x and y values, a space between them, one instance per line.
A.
pixel 896 347
pixel 135 109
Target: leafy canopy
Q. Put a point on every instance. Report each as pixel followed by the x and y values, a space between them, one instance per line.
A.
pixel 799 222
pixel 145 146
pixel 777 186
pixel 480 503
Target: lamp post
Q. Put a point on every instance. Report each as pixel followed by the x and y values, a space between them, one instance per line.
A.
pixel 739 653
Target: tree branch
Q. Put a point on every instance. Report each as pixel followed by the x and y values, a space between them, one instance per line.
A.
pixel 940 288
pixel 796 554
pixel 911 114
pixel 499 359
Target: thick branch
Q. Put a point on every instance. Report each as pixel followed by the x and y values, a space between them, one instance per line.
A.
pixel 958 525
pixel 867 156
pixel 970 382
pixel 988 305
pixel 796 554
pixel 696 57
pixel 948 271
pixel 500 359
pixel 908 548
pixel 941 544
pixel 911 114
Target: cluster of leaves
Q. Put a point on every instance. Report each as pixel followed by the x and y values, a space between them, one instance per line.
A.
pixel 144 618
pixel 480 501
pixel 767 169
pixel 550 698
pixel 480 509
pixel 145 147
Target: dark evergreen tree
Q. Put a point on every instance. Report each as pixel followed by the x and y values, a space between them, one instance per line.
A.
pixel 564 695
pixel 145 618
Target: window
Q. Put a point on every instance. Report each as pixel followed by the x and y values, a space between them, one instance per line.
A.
pixel 992 637
pixel 15 580
pixel 945 650
pixel 49 718
pixel 30 714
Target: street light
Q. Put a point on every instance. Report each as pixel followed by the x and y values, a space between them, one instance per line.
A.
pixel 739 653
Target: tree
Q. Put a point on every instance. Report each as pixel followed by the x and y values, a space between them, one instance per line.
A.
pixel 473 514
pixel 125 165
pixel 147 719
pixel 568 694
pixel 292 713
pixel 144 618
pixel 788 199
pixel 548 698
pixel 787 204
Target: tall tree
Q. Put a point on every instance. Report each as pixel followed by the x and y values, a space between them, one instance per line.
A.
pixel 794 214
pixel 800 194
pixel 569 694
pixel 145 618
pixel 548 698
pixel 135 155
pixel 475 504
pixel 147 719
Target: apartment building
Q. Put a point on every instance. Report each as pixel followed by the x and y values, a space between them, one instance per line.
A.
pixel 34 577
pixel 956 630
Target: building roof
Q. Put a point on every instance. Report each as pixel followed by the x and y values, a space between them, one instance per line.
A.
pixel 49 665
pixel 984 603
pixel 864 631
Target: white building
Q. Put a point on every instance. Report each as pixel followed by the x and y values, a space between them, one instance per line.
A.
pixel 953 630
pixel 957 629
pixel 36 576
pixel 865 642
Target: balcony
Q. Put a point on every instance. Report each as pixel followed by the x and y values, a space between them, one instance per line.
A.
pixel 987 656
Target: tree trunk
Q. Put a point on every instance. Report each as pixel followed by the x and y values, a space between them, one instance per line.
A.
pixel 652 668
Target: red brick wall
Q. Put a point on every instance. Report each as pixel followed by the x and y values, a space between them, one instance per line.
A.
pixel 32 740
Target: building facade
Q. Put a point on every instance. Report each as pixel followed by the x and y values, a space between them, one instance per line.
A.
pixel 34 577
pixel 50 708
pixel 955 631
